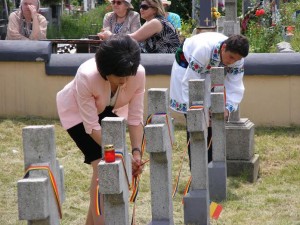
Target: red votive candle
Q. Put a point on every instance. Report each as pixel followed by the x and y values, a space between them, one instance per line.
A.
pixel 109 153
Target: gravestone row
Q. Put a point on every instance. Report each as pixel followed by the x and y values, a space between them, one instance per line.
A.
pixel 208 180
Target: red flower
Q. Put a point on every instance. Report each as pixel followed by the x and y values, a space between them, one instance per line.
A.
pixel 290 28
pixel 196 66
pixel 259 12
pixel 208 67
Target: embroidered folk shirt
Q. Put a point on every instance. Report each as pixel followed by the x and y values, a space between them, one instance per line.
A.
pixel 202 52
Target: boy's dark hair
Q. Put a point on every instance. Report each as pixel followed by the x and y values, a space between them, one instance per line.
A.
pixel 119 55
pixel 237 44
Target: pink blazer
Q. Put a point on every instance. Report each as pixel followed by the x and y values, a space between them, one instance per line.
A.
pixel 88 94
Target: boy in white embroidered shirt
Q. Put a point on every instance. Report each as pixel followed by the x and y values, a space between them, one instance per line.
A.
pixel 194 60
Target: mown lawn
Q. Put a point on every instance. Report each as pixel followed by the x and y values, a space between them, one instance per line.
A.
pixel 273 200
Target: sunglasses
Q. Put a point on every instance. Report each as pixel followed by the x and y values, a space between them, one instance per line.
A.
pixel 116 2
pixel 145 7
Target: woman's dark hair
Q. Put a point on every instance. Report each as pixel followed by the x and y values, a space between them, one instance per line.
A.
pixel 119 55
pixel 237 44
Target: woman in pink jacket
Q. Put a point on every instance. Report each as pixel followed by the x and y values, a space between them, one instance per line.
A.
pixel 111 84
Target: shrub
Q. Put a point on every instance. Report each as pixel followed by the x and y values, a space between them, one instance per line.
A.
pixel 75 26
pixel 295 42
pixel 263 39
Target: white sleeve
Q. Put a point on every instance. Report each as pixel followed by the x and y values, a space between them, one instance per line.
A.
pixel 234 85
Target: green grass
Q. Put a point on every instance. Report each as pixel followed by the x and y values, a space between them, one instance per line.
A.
pixel 273 200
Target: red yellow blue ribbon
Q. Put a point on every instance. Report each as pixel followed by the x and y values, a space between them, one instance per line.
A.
pixel 53 182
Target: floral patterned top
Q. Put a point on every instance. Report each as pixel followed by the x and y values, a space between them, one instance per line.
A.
pixel 202 52
pixel 167 41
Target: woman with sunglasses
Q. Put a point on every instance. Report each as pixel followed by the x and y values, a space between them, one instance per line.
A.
pixel 157 35
pixel 122 19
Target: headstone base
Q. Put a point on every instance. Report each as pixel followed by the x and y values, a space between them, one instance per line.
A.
pixel 217 175
pixel 240 139
pixel 248 168
pixel 196 207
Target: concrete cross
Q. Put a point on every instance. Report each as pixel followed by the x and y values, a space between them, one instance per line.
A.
pixel 37 200
pixel 113 182
pixel 196 202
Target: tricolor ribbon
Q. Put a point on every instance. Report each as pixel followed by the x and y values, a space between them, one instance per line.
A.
pixel 53 182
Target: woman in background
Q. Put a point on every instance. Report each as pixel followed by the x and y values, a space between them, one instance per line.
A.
pixel 157 35
pixel 122 19
pixel 26 23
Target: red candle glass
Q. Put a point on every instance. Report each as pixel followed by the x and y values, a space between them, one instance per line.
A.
pixel 109 153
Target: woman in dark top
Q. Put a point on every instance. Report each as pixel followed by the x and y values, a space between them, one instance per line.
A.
pixel 157 35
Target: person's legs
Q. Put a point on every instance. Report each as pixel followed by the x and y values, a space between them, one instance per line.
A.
pixel 93 154
pixel 92 217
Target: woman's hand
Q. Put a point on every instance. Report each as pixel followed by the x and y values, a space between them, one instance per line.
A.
pixel 104 34
pixel 137 164
pixel 33 10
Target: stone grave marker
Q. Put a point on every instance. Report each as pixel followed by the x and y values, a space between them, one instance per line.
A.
pixel 159 138
pixel 159 146
pixel 231 23
pixel 41 191
pixel 158 108
pixel 196 202
pixel 113 181
pixel 217 167
pixel 241 159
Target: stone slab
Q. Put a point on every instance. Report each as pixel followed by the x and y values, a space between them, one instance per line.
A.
pixel 217 102
pixel 218 137
pixel 116 209
pixel 196 91
pixel 195 120
pixel 114 132
pixel 247 168
pixel 217 76
pixel 196 207
pixel 217 174
pixel 240 141
pixel 231 27
pixel 156 132
pixel 39 146
pixel 158 101
pixel 33 198
pixel 111 177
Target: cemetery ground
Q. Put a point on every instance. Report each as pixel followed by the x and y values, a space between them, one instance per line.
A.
pixel 274 199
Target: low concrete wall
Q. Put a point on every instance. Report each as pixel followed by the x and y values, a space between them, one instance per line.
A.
pixel 30 78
